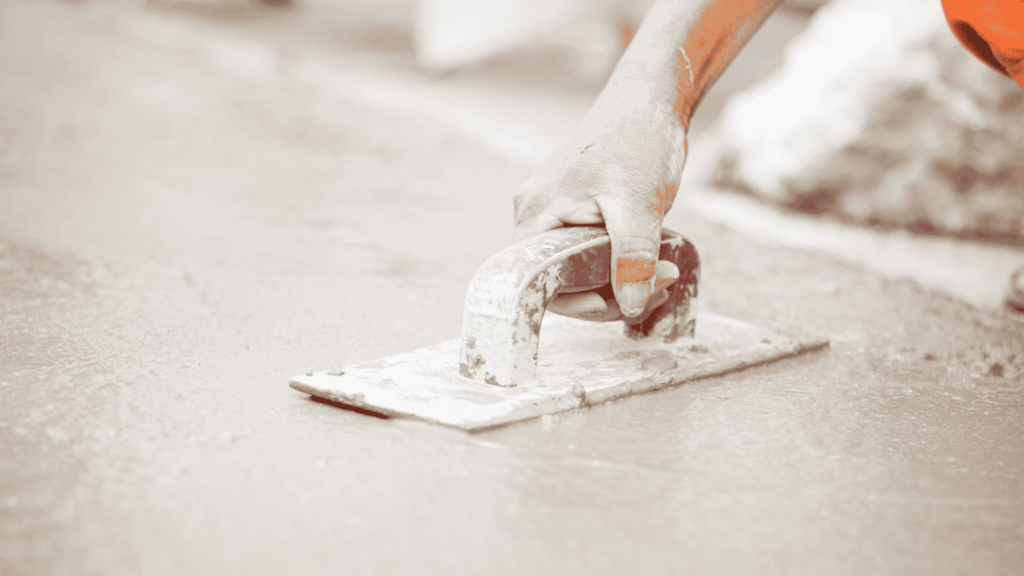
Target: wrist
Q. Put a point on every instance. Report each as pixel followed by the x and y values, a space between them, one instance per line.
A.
pixel 636 124
pixel 642 99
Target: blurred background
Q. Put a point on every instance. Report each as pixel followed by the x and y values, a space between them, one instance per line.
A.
pixel 874 114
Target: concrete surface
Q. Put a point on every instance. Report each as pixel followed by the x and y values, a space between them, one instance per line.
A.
pixel 176 241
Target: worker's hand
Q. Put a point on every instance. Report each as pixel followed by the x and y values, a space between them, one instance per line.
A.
pixel 619 169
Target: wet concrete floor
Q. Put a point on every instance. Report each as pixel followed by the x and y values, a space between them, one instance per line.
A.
pixel 175 243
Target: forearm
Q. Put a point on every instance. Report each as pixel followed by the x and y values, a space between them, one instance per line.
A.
pixel 622 164
pixel 683 46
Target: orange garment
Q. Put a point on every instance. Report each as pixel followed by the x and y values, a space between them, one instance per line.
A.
pixel 993 30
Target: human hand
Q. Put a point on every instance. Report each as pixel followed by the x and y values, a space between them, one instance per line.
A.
pixel 620 170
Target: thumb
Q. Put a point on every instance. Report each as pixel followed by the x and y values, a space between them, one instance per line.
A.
pixel 636 240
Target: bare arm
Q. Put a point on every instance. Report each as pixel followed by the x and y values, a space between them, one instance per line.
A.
pixel 683 46
pixel 621 166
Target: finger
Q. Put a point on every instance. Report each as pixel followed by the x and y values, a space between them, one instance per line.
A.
pixel 583 288
pixel 636 238
pixel 538 214
pixel 594 308
pixel 589 303
pixel 588 306
pixel 658 299
pixel 667 273
pixel 633 268
pixel 539 224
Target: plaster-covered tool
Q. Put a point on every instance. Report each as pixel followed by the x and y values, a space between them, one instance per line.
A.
pixel 513 363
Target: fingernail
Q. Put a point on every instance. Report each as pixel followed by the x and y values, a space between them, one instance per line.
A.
pixel 658 299
pixel 663 283
pixel 633 298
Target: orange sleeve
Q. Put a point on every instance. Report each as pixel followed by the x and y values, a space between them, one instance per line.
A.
pixel 993 30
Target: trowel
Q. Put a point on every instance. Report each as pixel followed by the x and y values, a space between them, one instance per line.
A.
pixel 513 363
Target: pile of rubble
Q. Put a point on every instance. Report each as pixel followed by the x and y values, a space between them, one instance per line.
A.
pixel 880 117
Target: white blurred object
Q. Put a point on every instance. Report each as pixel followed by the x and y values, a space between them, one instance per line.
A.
pixel 454 33
pixel 451 33
pixel 819 100
pixel 880 116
